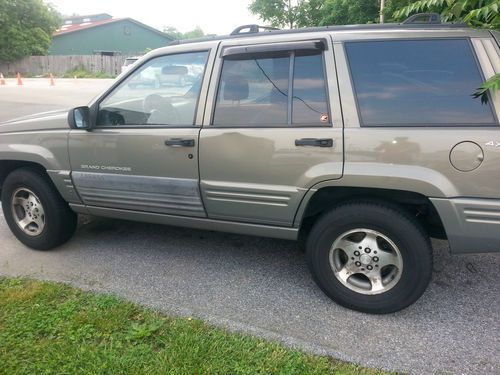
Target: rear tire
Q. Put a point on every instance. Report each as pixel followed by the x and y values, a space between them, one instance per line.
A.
pixel 370 256
pixel 35 212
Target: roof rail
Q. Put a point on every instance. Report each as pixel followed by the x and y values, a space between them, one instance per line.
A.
pixel 410 23
pixel 252 29
pixel 423 18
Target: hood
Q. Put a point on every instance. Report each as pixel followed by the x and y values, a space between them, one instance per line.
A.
pixel 53 120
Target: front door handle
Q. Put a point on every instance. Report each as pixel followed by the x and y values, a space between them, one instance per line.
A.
pixel 315 142
pixel 179 142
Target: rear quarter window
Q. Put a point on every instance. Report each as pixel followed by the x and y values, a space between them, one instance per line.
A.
pixel 417 83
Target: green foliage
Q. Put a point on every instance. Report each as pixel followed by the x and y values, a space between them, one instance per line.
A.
pixel 26 28
pixel 486 16
pixel 281 13
pixel 352 12
pixel 197 32
pixel 173 32
pixel 48 328
pixel 310 13
pixel 391 6
pixel 348 12
pixel 80 72
pixel 492 84
pixel 477 13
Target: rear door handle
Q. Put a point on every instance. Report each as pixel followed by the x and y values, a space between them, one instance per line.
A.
pixel 315 142
pixel 179 142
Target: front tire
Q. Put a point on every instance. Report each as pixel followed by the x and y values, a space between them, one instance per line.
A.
pixel 369 256
pixel 35 212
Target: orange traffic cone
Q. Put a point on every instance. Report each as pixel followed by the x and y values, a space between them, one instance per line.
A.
pixel 52 83
pixel 19 79
pixel 2 80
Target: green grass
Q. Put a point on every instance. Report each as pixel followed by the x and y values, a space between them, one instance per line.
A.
pixel 82 73
pixel 50 328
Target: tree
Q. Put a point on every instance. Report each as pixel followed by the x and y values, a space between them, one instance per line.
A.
pixel 348 12
pixel 197 32
pixel 323 12
pixel 309 13
pixel 278 12
pixel 391 6
pixel 351 12
pixel 26 28
pixel 476 13
pixel 173 32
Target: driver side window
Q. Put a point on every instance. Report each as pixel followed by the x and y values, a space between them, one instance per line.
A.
pixel 163 92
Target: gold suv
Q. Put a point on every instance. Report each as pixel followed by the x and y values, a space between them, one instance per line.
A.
pixel 365 141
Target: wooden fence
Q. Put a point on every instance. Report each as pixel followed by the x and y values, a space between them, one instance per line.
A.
pixel 59 65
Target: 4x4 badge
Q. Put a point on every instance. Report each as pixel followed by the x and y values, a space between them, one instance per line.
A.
pixel 492 144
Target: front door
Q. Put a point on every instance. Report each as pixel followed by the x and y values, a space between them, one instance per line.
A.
pixel 273 131
pixel 142 155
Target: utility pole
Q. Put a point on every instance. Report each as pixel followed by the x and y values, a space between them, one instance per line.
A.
pixel 382 5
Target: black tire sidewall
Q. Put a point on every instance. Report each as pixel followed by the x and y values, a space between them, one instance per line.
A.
pixel 60 222
pixel 412 243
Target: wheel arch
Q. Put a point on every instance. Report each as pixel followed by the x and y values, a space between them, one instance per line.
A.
pixel 33 180
pixel 319 201
pixel 8 166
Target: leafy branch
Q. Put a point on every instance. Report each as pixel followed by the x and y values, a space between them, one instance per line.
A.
pixel 492 84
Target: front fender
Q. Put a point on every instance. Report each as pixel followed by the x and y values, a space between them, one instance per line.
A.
pixel 49 149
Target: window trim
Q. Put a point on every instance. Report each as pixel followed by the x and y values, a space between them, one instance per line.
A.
pixel 113 88
pixel 233 52
pixel 418 125
pixel 291 76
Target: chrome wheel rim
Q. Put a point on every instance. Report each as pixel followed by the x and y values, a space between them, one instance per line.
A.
pixel 28 212
pixel 366 261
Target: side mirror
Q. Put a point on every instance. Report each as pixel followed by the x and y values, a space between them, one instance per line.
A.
pixel 79 118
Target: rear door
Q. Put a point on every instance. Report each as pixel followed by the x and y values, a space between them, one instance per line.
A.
pixel 272 128
pixel 413 124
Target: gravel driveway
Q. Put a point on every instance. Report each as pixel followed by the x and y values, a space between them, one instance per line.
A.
pixel 262 286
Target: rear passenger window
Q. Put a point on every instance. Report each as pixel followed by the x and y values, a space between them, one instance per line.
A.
pixel 417 83
pixel 255 91
pixel 309 91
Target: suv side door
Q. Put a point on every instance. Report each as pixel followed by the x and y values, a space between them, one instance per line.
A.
pixel 142 154
pixel 272 129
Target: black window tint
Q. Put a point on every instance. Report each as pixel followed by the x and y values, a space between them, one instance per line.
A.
pixel 419 82
pixel 309 91
pixel 253 92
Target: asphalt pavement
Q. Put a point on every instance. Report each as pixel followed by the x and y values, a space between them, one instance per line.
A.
pixel 37 95
pixel 262 286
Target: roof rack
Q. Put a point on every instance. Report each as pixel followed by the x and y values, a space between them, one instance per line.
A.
pixel 423 19
pixel 251 29
pixel 417 21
